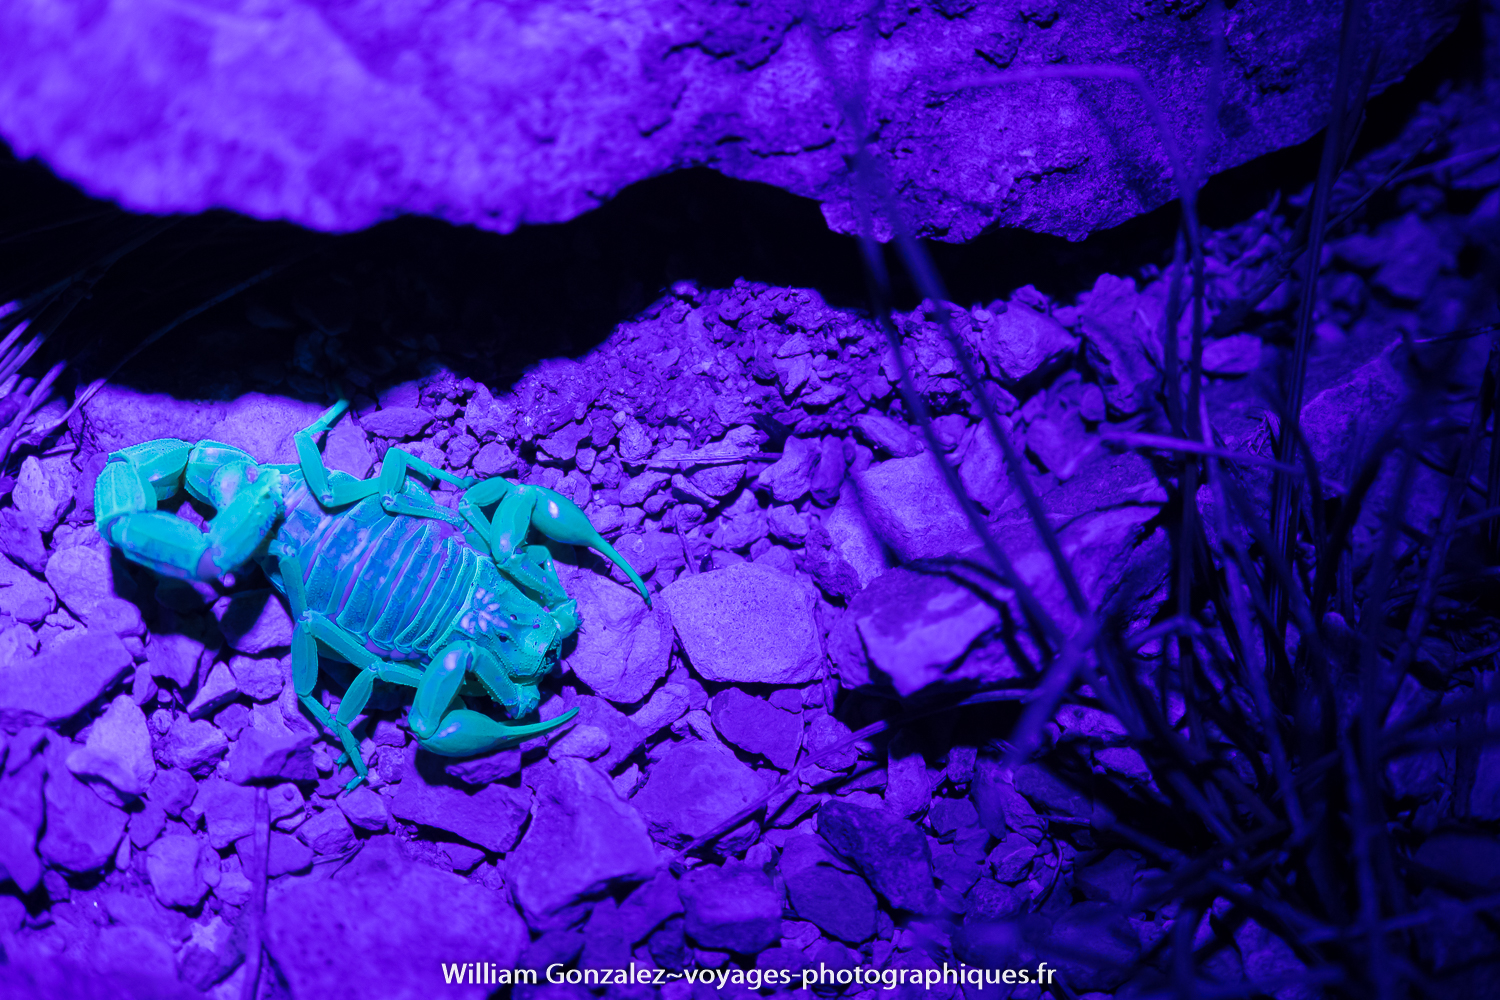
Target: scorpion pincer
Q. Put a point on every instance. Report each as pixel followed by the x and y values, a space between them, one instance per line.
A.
pixel 375 572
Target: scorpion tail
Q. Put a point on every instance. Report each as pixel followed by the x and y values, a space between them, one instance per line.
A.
pixel 559 519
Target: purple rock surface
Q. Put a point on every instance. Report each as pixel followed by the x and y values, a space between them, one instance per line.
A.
pixel 579 817
pixel 336 120
pixel 730 420
pixel 403 917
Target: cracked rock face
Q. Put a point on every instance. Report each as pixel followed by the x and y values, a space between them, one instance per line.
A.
pixel 338 116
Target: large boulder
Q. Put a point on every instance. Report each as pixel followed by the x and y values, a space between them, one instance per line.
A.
pixel 82 829
pixel 583 839
pixel 490 816
pixel 337 117
pixel 62 681
pixel 746 623
pixel 891 852
pixel 403 918
pixel 692 789
pixel 623 646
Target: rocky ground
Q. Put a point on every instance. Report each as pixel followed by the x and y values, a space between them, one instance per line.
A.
pixel 745 448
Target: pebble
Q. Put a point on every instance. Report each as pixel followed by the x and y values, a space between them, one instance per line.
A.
pixel 746 623
pixel 734 908
pixel 117 750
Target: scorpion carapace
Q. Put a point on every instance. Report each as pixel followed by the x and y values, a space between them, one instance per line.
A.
pixel 375 572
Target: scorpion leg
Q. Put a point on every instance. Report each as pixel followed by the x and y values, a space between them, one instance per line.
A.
pixel 344 644
pixel 396 464
pixel 462 732
pixel 330 489
pixel 309 628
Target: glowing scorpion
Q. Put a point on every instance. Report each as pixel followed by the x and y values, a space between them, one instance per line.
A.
pixel 376 573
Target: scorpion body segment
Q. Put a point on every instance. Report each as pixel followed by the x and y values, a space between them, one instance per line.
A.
pixel 376 573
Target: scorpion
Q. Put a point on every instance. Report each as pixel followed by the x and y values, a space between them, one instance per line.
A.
pixel 375 572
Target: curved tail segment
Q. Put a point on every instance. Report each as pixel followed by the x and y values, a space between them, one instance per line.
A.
pixel 522 508
pixel 138 478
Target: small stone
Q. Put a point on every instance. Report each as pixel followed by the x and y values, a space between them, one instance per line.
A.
pixel 174 790
pixel 494 459
pixel 115 615
pixel 990 901
pixel 62 681
pixel 347 449
pixel 228 811
pixel 1021 341
pixel 692 789
pixel 216 691
pixel 327 833
pixel 910 509
pixel 754 725
pixel 234 888
pixel 44 490
pixel 233 719
pixel 175 656
pixel 258 677
pixel 1111 879
pixel 82 577
pixel 886 434
pixel 481 770
pixel 735 908
pixel 1000 806
pixel 915 630
pixel 587 742
pixel 1120 343
pixel 254 621
pixel 578 817
pixel 889 851
pixel 949 815
pixel 364 808
pixel 260 756
pixel 718 480
pixel 1060 442
pixel 665 706
pixel 460 857
pixel 1237 354
pixel 118 750
pixel 908 790
pixel 146 824
pixel 287 800
pixel 746 623
pixel 391 910
pixel 397 422
pixel 790 476
pixel 787 525
pixel 213 950
pixel 623 646
pixel 193 745
pixel 1011 858
pixel 83 829
pixel 491 816
pixel 840 903
pixel 21 539
pixel 287 854
pixel 174 864
pixel 1045 790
